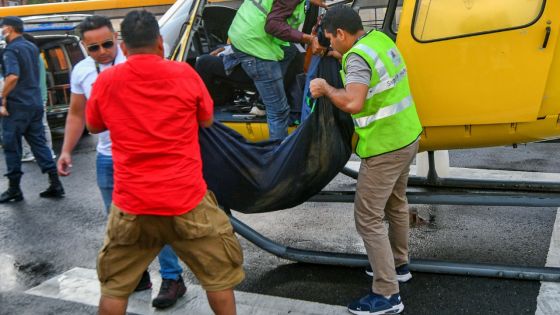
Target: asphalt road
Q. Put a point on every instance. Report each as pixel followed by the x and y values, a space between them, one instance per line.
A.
pixel 43 238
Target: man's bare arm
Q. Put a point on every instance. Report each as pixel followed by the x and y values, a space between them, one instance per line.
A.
pixel 9 84
pixel 75 124
pixel 350 99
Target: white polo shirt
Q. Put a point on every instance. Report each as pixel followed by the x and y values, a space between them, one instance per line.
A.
pixel 83 76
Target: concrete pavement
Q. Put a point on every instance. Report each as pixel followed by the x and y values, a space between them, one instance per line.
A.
pixel 42 239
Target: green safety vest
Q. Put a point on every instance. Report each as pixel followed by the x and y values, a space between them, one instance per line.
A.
pixel 388 121
pixel 247 32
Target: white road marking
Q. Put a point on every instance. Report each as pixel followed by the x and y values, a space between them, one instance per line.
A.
pixel 8 273
pixel 81 285
pixel 548 301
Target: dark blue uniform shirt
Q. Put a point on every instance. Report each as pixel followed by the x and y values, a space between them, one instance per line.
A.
pixel 21 58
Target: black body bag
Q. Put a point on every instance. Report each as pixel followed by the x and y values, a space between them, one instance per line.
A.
pixel 272 175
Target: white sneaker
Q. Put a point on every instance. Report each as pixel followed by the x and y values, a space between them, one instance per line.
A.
pixel 257 111
pixel 28 158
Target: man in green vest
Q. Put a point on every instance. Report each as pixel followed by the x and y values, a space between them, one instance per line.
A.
pixel 378 96
pixel 261 35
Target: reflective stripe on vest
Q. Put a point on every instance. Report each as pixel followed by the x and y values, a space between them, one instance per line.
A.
pixel 385 82
pixel 384 112
pixel 379 66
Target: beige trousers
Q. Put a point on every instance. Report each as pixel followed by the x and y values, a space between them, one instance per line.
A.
pixel 381 192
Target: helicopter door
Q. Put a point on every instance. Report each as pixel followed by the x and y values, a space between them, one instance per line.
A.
pixel 476 61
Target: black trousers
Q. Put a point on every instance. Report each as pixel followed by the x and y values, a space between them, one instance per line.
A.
pixel 28 124
pixel 221 86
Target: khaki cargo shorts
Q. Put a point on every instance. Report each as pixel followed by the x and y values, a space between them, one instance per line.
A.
pixel 202 238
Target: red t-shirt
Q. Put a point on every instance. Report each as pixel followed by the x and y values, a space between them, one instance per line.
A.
pixel 152 107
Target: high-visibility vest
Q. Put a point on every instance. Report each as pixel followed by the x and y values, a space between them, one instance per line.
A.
pixel 388 120
pixel 247 32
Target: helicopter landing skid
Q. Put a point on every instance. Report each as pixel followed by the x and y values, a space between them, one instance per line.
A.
pixel 420 196
pixel 433 180
pixel 419 265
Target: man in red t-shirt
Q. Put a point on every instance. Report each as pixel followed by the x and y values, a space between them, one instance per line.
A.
pixel 153 108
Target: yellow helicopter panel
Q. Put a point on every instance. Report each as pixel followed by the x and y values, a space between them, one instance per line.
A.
pixel 478 62
pixel 451 18
pixel 551 99
pixel 490 135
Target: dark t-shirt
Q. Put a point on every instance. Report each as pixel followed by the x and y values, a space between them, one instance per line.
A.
pixel 21 58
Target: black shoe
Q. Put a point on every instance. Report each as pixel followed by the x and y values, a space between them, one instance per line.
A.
pixel 169 292
pixel 145 283
pixel 55 189
pixel 13 193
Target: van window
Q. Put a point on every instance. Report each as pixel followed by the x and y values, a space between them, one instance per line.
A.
pixel 74 53
pixel 443 19
pixel 56 56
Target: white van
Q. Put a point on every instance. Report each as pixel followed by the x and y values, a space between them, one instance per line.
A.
pixel 61 50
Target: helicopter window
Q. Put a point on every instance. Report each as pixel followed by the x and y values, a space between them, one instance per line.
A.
pixel 382 15
pixel 372 13
pixel 437 20
pixel 372 18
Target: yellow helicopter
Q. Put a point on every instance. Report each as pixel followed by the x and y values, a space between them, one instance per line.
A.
pixel 482 73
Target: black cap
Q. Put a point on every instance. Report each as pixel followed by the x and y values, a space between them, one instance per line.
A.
pixel 12 21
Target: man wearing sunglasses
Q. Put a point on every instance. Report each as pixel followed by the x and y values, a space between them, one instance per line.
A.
pixel 100 40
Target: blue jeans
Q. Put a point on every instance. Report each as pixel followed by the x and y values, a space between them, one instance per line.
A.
pixel 28 124
pixel 268 77
pixel 168 261
pixel 27 149
pixel 104 167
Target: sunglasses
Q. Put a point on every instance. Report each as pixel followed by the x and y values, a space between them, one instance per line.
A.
pixel 106 45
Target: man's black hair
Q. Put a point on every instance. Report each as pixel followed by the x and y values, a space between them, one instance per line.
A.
pixel 18 29
pixel 15 22
pixel 342 17
pixel 139 29
pixel 94 22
